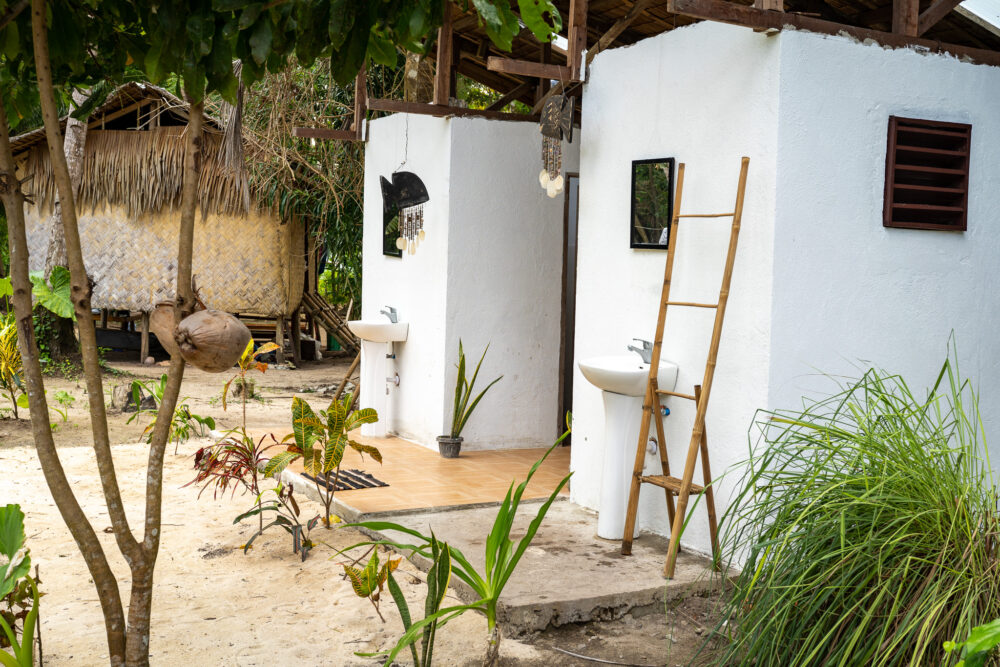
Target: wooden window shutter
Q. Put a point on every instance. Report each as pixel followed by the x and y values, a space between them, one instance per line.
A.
pixel 927 174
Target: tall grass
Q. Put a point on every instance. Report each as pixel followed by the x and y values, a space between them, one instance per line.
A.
pixel 867 529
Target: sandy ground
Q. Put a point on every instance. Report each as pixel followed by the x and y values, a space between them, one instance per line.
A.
pixel 215 605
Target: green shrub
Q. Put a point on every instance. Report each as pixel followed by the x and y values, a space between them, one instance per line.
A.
pixel 868 524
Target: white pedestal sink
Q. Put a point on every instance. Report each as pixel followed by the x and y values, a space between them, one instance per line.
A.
pixel 622 379
pixel 376 338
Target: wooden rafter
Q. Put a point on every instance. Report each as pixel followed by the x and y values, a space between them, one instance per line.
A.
pixel 729 12
pixel 511 95
pixel 937 11
pixel 528 68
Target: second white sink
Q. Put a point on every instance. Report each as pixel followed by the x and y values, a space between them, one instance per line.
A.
pixel 626 374
pixel 379 331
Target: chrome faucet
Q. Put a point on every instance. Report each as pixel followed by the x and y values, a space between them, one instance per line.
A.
pixel 390 312
pixel 646 351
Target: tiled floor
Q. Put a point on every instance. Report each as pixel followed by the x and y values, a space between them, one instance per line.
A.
pixel 420 478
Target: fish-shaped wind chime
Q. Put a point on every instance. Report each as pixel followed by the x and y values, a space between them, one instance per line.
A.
pixel 556 125
pixel 407 195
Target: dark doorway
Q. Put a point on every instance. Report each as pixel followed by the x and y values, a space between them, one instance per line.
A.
pixel 570 217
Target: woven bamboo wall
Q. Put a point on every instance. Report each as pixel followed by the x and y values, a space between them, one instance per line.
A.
pixel 250 264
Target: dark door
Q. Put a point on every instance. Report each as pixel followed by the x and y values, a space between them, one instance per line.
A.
pixel 570 217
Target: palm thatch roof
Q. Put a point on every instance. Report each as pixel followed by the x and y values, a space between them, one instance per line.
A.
pixel 134 159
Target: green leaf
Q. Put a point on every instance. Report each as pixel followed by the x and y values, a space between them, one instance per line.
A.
pixel 381 49
pixel 534 13
pixel 12 546
pixel 279 462
pixel 54 295
pixel 5 287
pixel 22 401
pixel 260 41
pixel 302 419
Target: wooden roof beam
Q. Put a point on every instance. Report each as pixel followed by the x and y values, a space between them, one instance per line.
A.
pixel 511 95
pixel 729 12
pixel 937 11
pixel 528 68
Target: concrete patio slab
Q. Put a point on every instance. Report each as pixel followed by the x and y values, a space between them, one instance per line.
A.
pixel 567 575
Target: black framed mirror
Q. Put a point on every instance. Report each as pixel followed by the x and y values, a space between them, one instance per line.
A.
pixel 652 203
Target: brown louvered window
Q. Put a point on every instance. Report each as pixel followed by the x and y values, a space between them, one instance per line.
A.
pixel 927 174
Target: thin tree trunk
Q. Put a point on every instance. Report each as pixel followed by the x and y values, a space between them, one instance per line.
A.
pixel 79 288
pixel 62 493
pixel 140 605
pixel 418 79
pixel 73 144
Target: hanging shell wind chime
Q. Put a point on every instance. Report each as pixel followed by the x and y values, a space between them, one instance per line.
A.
pixel 406 194
pixel 556 125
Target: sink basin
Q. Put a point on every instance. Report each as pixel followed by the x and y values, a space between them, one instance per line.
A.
pixel 626 374
pixel 379 331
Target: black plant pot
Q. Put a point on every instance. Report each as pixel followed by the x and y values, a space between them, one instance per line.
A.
pixel 449 446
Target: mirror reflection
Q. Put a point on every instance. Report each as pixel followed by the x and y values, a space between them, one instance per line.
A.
pixel 652 202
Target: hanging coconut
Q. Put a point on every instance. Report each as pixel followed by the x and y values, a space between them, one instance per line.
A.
pixel 211 340
pixel 161 323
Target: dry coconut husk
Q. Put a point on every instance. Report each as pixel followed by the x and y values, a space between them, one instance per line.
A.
pixel 161 323
pixel 212 340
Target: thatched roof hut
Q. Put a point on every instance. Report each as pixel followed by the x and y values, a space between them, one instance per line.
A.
pixel 246 258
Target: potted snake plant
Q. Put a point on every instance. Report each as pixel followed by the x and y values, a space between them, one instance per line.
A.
pixel 450 445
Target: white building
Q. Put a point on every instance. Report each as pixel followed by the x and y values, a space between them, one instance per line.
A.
pixel 821 285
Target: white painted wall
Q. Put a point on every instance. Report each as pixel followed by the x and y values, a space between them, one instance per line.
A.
pixel 416 284
pixel 489 271
pixel 849 293
pixel 706 95
pixel 821 287
pixel 505 280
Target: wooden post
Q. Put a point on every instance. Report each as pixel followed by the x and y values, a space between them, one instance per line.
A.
pixel 543 83
pixel 279 339
pixel 144 344
pixel 577 38
pixel 104 318
pixel 905 17
pixel 296 330
pixel 360 103
pixel 771 5
pixel 442 77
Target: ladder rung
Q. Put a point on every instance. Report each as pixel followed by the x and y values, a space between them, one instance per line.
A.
pixel 671 484
pixel 706 215
pixel 664 392
pixel 692 304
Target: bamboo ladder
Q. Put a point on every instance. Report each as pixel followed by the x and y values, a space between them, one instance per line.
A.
pixel 683 487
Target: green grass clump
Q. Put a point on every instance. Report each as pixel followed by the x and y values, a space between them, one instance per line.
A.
pixel 867 528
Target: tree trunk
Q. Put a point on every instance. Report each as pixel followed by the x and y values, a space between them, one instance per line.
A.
pixel 74 143
pixel 140 604
pixel 418 79
pixel 62 493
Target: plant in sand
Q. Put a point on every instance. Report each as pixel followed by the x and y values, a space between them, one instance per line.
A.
pixel 320 441
pixel 249 361
pixel 11 376
pixel 369 581
pixel 285 510
pixel 867 528
pixel 183 424
pixel 502 556
pixel 16 587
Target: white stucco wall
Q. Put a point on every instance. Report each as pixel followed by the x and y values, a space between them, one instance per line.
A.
pixel 849 293
pixel 505 280
pixel 706 95
pixel 489 271
pixel 416 284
